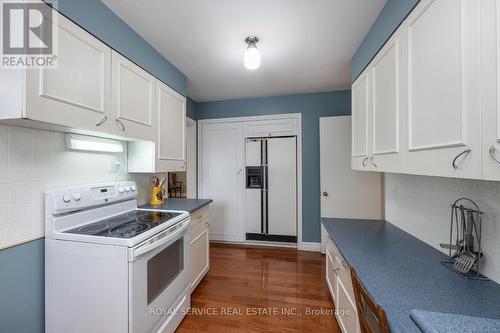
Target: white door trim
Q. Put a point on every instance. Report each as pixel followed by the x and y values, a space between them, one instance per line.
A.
pixel 191 164
pixel 298 133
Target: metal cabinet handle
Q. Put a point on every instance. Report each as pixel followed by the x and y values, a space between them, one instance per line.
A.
pixel 120 124
pixel 330 237
pixel 325 194
pixel 102 121
pixel 336 270
pixel 345 264
pixel 372 161
pixel 239 171
pixel 364 161
pixel 208 224
pixel 492 154
pixel 464 153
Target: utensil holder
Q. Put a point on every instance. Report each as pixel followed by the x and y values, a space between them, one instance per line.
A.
pixel 157 193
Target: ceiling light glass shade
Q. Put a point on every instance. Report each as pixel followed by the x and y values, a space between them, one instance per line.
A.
pixel 252 57
pixel 90 143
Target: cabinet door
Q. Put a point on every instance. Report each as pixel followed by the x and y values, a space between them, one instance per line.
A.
pixel 386 117
pixel 490 129
pixel 171 136
pixel 442 80
pixel 199 253
pixel 331 275
pixel 77 93
pixel 221 177
pixel 360 122
pixel 346 314
pixel 133 99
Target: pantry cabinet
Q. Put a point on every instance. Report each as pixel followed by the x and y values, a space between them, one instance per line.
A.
pixel 200 247
pixel 133 92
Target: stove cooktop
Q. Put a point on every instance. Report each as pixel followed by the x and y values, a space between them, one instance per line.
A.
pixel 126 225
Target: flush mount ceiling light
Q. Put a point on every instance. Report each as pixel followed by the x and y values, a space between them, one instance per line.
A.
pixel 90 143
pixel 252 54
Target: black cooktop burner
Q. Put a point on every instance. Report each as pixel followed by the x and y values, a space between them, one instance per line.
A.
pixel 125 225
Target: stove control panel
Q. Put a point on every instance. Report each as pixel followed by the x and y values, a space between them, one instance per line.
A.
pixel 87 196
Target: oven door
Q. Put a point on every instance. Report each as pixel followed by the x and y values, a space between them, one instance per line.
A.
pixel 158 275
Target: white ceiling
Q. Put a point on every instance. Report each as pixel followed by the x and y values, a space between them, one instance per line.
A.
pixel 305 45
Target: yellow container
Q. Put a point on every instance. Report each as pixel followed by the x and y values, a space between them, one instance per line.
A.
pixel 157 193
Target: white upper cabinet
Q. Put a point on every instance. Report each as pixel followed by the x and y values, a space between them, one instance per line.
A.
pixel 386 116
pixel 361 110
pixel 168 150
pixel 490 26
pixel 133 91
pixel 442 85
pixel 77 93
pixel 423 94
pixel 171 108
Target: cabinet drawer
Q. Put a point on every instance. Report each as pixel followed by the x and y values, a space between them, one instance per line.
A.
pixel 199 215
pixel 198 229
pixel 331 274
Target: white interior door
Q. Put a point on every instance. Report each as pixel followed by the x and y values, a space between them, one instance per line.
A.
pixel 282 186
pixel 443 88
pixel 220 165
pixel 345 192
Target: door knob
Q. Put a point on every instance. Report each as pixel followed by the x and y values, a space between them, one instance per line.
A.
pixel 325 194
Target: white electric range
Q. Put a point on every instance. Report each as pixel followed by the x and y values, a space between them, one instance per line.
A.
pixel 111 267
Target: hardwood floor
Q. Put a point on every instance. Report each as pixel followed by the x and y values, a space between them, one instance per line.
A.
pixel 261 289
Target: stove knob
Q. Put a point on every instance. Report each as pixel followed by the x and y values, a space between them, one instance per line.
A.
pixel 120 189
pixel 127 188
pixel 66 197
pixel 76 196
pixel 133 188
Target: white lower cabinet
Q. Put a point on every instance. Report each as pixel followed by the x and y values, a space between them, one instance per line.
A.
pixel 200 247
pixel 338 280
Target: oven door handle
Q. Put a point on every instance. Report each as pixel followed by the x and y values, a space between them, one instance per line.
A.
pixel 164 237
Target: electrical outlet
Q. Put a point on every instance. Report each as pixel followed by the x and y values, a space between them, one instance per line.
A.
pixel 116 166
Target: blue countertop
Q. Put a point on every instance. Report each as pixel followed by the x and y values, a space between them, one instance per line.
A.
pixel 188 205
pixel 434 322
pixel 402 273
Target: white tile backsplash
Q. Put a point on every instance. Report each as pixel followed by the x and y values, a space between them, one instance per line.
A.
pixel 420 205
pixel 33 161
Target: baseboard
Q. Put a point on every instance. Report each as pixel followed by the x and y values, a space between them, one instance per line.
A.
pixel 310 246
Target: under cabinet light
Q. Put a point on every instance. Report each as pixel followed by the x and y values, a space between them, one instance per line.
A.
pixel 91 143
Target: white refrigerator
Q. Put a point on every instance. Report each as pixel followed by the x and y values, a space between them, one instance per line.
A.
pixel 271 189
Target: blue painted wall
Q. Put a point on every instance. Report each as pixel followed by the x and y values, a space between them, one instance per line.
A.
pixel 22 288
pixel 191 108
pixel 312 107
pixel 100 21
pixel 386 23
